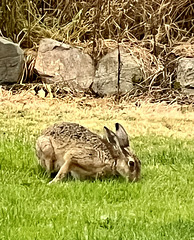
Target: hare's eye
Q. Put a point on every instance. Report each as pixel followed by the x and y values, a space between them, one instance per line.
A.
pixel 131 163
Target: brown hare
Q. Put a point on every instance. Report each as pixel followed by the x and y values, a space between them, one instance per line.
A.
pixel 72 148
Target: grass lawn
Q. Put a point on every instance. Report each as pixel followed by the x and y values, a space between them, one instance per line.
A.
pixel 159 206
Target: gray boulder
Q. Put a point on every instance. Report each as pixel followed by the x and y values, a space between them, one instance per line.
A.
pixel 106 76
pixel 11 62
pixel 61 63
pixel 185 75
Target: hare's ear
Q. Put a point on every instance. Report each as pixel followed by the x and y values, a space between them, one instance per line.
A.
pixel 122 135
pixel 111 137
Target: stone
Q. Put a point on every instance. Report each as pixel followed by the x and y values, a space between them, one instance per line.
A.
pixel 185 75
pixel 106 75
pixel 58 62
pixel 11 62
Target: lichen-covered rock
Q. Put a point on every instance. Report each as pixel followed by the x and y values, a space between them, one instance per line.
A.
pixel 185 74
pixel 106 76
pixel 11 62
pixel 61 63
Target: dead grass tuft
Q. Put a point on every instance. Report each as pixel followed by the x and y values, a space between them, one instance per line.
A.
pixel 156 32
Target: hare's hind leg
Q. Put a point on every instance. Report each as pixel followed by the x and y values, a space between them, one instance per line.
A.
pixel 45 153
pixel 65 168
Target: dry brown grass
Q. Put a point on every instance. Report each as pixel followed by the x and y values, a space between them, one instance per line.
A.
pixel 156 32
pixel 162 21
pixel 146 119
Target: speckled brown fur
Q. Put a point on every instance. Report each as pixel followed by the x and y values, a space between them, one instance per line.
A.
pixel 70 147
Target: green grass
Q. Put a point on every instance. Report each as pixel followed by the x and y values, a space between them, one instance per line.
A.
pixel 159 206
